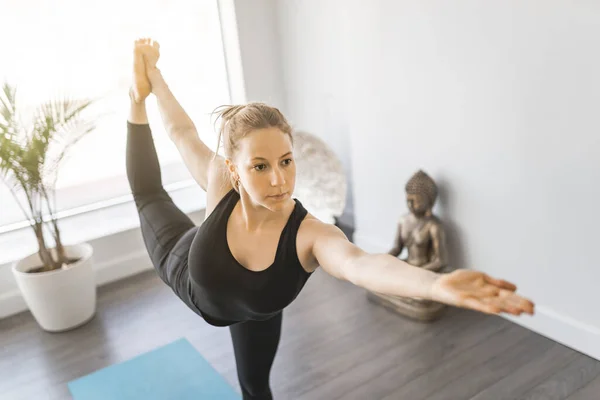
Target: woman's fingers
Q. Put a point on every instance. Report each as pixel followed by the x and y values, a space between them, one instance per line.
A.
pixel 503 301
pixel 512 304
pixel 483 293
pixel 501 283
pixel 518 301
pixel 502 305
pixel 504 297
pixel 478 305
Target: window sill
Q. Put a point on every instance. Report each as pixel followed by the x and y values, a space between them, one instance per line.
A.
pixel 99 220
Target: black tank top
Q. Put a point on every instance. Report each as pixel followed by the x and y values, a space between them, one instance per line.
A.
pixel 225 291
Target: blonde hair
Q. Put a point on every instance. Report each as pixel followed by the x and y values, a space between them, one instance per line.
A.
pixel 239 120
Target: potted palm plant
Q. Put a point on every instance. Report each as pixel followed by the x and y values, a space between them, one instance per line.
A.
pixel 57 281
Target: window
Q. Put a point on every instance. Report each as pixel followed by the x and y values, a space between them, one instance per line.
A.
pixel 84 48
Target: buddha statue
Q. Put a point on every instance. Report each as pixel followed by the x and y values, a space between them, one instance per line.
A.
pixel 422 235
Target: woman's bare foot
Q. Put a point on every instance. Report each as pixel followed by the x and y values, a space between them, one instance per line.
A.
pixel 141 87
pixel 151 51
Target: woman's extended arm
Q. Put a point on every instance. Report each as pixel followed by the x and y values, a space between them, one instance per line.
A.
pixel 176 121
pixel 197 156
pixel 387 274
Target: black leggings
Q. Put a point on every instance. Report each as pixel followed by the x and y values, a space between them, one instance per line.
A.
pixel 167 234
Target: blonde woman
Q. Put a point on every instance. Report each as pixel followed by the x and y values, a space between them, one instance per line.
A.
pixel 258 245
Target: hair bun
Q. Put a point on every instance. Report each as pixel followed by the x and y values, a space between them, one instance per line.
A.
pixel 227 112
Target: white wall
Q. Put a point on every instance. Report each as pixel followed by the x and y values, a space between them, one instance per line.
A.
pixel 259 49
pixel 313 47
pixel 498 101
pixel 274 70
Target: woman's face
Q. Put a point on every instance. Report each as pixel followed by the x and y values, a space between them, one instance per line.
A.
pixel 266 167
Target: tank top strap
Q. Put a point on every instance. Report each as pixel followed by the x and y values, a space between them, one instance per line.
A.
pixel 297 215
pixel 223 208
pixel 231 199
pixel 288 253
pixel 287 246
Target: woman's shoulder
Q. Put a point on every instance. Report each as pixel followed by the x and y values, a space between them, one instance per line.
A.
pixel 309 224
pixel 310 229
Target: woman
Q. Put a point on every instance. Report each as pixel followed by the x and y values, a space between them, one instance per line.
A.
pixel 258 246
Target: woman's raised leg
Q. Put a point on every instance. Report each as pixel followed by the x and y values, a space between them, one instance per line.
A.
pixel 162 223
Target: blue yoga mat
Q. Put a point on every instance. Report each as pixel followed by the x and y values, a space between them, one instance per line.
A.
pixel 175 371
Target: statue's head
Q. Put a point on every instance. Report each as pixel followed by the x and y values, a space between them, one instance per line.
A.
pixel 421 193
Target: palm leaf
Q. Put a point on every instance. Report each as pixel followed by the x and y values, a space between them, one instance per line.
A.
pixel 58 126
pixel 11 151
pixel 28 157
pixel 8 110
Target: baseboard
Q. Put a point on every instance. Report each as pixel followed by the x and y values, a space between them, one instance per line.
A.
pixel 109 271
pixel 558 327
pixel 11 303
pixel 122 267
pixel 567 331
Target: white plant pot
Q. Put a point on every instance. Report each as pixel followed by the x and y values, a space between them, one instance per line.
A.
pixel 62 299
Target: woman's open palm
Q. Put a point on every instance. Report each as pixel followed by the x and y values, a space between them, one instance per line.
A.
pixel 480 292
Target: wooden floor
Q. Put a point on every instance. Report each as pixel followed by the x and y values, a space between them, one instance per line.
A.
pixel 335 345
